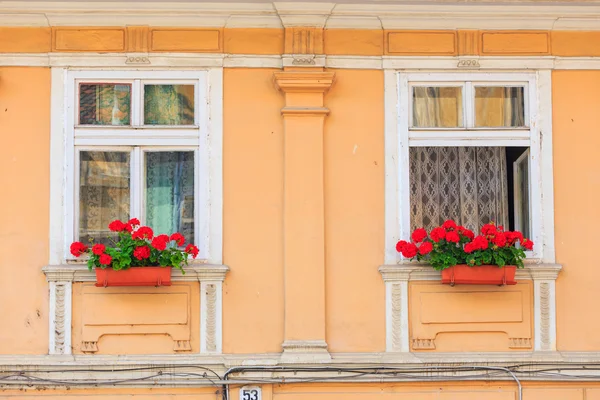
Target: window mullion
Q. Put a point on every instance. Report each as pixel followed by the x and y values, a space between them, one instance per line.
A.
pixel 136 103
pixel 136 183
pixel 469 105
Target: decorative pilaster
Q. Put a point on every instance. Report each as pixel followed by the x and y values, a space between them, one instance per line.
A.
pixel 544 302
pixel 304 213
pixel 396 313
pixel 60 318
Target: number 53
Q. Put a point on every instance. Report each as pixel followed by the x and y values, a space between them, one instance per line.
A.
pixel 251 394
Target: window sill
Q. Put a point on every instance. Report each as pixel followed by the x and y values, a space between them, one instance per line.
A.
pixel 79 273
pixel 424 272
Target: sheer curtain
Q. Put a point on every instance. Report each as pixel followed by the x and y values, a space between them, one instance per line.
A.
pixel 103 193
pixel 170 192
pixel 466 184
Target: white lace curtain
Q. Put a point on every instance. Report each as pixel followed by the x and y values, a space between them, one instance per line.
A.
pixel 465 184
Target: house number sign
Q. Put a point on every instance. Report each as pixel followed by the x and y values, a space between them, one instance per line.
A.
pixel 250 393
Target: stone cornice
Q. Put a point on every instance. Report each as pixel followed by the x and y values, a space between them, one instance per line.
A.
pixel 560 15
pixel 80 273
pixel 420 272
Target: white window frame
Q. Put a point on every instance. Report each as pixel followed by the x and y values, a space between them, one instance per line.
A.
pixel 399 138
pixel 204 138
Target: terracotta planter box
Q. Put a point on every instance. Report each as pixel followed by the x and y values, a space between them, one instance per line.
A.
pixel 134 276
pixel 479 275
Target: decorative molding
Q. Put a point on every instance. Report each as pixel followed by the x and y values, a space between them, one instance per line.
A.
pixel 423 272
pixel 303 40
pixel 304 351
pixel 137 39
pixel 304 81
pixel 137 59
pixel 472 63
pixel 88 39
pixel 397 315
pixel 468 42
pixel 519 343
pixel 60 318
pixel 201 60
pixel 402 15
pixel 515 43
pixel 423 344
pixel 410 42
pixel 186 40
pixel 211 317
pixel 544 297
pixel 80 273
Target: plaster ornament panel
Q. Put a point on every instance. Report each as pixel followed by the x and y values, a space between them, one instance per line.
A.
pixel 515 43
pixel 136 311
pixel 468 310
pixel 468 42
pixel 88 39
pixel 421 43
pixel 304 40
pixel 186 40
pixel 137 39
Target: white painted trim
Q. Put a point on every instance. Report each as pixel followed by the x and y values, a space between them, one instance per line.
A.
pixel 544 103
pixel 392 163
pixel 191 61
pixel 365 15
pixel 57 166
pixel 214 143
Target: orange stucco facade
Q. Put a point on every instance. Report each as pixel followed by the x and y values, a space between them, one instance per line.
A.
pixel 303 220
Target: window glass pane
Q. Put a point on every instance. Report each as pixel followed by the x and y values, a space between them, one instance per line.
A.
pixel 437 107
pixel 104 104
pixel 466 184
pixel 521 188
pixel 103 193
pixel 169 104
pixel 499 107
pixel 170 192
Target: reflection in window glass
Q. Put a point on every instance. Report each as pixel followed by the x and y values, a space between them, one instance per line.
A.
pixel 103 193
pixel 437 107
pixel 169 104
pixel 170 192
pixel 499 107
pixel 104 104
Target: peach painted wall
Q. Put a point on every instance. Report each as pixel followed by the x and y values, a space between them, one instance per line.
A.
pixel 576 133
pixel 354 212
pixel 24 224
pixel 252 212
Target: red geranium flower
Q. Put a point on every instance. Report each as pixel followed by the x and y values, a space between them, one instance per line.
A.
pixel 468 233
pixel 469 247
pixel 410 250
pixel 480 243
pixel 489 229
pixel 437 234
pixel 134 222
pixel 425 248
pixel 141 252
pixel 98 249
pixel 143 232
pixel 105 259
pixel 400 245
pixel 160 242
pixel 179 238
pixel 78 248
pixel 117 226
pixel 192 250
pixel 500 239
pixel 527 244
pixel 418 235
pixel 452 237
pixel 449 224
